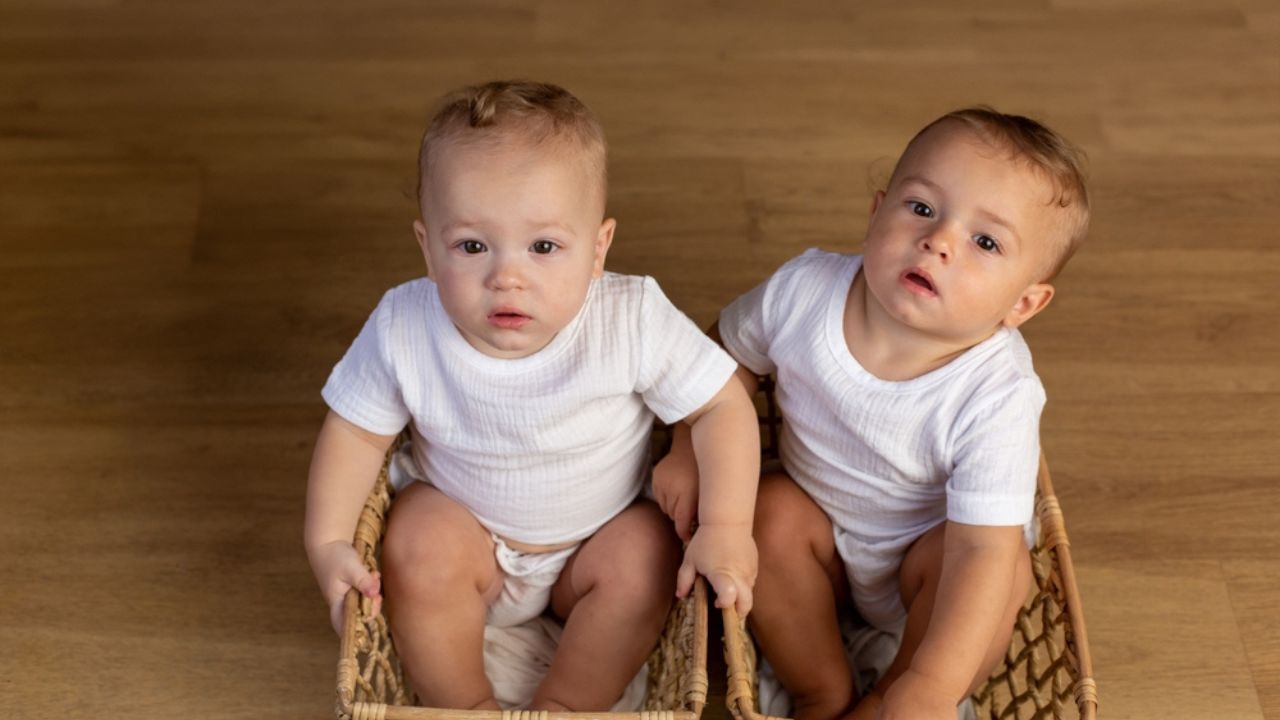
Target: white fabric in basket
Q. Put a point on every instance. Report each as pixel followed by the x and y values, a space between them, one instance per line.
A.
pixel 517 658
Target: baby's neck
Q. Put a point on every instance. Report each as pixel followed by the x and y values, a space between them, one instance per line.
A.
pixel 888 349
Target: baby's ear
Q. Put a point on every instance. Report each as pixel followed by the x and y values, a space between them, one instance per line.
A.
pixel 1034 299
pixel 604 239
pixel 875 202
pixel 420 234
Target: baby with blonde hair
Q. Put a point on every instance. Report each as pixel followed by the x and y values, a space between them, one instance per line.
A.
pixel 528 378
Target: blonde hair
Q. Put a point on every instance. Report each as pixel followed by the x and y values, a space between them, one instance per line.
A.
pixel 532 112
pixel 1052 154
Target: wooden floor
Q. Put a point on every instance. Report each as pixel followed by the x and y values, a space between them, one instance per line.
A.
pixel 201 201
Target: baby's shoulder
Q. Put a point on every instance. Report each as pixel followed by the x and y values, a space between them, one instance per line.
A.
pixel 622 285
pixel 1000 367
pixel 811 274
pixel 615 294
pixel 409 299
pixel 408 310
pixel 1011 358
pixel 817 263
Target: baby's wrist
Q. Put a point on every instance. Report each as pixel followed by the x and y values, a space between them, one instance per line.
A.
pixel 934 685
pixel 313 546
pixel 744 525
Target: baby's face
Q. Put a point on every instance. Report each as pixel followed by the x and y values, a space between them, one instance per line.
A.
pixel 513 236
pixel 959 242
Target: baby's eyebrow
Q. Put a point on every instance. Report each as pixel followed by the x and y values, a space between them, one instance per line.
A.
pixel 920 180
pixel 996 219
pixel 458 225
pixel 538 227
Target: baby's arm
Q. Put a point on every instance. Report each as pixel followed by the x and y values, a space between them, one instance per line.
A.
pixel 675 477
pixel 726 444
pixel 344 468
pixel 978 573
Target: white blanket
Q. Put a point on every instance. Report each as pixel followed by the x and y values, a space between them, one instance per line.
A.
pixel 517 658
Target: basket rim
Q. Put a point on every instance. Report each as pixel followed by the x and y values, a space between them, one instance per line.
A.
pixel 741 700
pixel 369 529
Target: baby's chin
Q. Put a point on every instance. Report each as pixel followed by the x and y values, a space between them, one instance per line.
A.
pixel 510 349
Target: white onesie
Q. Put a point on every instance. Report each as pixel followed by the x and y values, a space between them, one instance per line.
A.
pixel 887 460
pixel 543 449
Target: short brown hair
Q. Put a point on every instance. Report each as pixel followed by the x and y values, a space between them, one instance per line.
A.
pixel 1060 160
pixel 532 111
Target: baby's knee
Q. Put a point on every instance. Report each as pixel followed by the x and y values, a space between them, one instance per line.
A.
pixel 1023 579
pixel 650 557
pixel 433 558
pixel 787 521
pixel 639 564
pixel 922 566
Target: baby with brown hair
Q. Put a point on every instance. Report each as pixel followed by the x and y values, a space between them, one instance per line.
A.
pixel 911 441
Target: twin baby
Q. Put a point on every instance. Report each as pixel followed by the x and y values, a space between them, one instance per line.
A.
pixel 529 377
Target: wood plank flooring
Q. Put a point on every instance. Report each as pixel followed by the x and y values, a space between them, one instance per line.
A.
pixel 201 202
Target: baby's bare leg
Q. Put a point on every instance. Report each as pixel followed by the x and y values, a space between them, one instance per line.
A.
pixel 921 570
pixel 615 594
pixel 795 616
pixel 440 575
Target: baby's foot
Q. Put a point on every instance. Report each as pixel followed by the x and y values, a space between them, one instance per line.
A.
pixel 865 709
pixel 548 705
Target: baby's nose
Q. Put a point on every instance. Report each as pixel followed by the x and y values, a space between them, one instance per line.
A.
pixel 506 275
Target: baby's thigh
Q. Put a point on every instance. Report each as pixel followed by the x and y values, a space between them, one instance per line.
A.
pixel 432 540
pixel 634 555
pixel 790 527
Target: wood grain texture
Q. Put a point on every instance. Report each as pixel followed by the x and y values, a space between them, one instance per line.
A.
pixel 201 202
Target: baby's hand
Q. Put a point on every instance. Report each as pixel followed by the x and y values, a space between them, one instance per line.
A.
pixel 675 487
pixel 726 555
pixel 338 569
pixel 913 696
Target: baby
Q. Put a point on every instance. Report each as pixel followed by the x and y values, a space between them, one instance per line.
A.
pixel 911 440
pixel 529 378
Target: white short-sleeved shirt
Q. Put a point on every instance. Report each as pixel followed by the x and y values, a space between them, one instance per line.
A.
pixel 889 460
pixel 542 449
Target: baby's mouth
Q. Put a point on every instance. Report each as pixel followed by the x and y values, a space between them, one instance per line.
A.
pixel 509 318
pixel 919 281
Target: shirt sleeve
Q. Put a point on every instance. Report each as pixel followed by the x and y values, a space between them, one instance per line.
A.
pixel 745 330
pixel 363 388
pixel 680 368
pixel 997 458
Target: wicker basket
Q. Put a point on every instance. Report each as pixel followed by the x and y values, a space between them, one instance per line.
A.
pixel 371 685
pixel 1048 663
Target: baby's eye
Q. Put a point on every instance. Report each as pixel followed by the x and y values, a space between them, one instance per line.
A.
pixel 988 243
pixel 920 208
pixel 543 247
pixel 472 247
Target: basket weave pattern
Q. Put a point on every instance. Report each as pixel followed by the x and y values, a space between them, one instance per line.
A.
pixel 371 683
pixel 1043 673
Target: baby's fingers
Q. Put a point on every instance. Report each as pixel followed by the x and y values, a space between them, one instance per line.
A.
pixel 731 593
pixel 682 515
pixel 685 577
pixel 371 587
pixel 336 614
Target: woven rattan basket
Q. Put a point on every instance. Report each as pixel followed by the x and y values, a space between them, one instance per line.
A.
pixel 371 685
pixel 1047 672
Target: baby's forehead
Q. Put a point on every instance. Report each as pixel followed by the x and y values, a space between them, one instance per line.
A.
pixel 461 166
pixel 466 150
pixel 964 161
